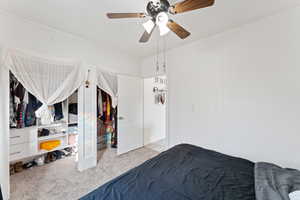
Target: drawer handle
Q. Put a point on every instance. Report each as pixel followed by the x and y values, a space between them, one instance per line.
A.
pixel 15 137
pixel 15 153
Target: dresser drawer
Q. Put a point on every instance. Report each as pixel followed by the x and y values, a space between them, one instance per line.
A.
pixel 24 135
pixel 20 151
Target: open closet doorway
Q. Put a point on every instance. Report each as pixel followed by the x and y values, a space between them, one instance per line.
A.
pixel 155 113
pixel 43 143
pixel 120 127
pixel 106 125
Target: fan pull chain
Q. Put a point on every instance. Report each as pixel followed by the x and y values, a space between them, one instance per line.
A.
pixel 157 56
pixel 165 56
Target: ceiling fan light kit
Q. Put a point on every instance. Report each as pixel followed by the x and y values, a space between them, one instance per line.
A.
pixel 162 20
pixel 149 26
pixel 158 11
pixel 163 30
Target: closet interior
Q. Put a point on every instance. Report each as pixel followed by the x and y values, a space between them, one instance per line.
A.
pixel 106 121
pixel 40 134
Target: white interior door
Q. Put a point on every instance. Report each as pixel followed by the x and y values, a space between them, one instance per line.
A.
pixel 87 125
pixel 130 114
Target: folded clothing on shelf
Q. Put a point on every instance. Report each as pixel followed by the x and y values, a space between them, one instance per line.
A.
pixel 73 139
pixel 43 132
pixel 73 118
pixel 73 108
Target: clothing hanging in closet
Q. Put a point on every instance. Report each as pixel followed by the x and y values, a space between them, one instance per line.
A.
pixel 23 106
pixel 107 107
pixel 104 106
pixel 99 102
pixel 106 116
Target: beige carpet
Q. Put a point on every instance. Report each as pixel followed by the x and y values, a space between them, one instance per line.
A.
pixel 158 146
pixel 60 180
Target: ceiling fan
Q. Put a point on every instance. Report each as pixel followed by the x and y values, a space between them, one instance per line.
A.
pixel 158 11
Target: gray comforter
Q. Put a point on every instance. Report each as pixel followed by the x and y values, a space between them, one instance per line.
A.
pixel 275 183
pixel 184 172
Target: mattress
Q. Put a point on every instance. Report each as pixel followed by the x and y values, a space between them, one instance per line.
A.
pixel 185 172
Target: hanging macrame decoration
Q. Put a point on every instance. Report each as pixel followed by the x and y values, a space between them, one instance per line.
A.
pixel 160 95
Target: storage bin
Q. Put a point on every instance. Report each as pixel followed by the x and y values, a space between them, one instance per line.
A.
pixel 50 145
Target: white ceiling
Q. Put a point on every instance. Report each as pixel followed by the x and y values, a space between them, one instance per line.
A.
pixel 86 18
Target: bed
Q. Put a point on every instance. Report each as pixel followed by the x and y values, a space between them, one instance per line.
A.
pixel 185 172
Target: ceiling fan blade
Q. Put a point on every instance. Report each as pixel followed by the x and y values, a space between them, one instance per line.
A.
pixel 125 15
pixel 178 30
pixel 146 36
pixel 189 5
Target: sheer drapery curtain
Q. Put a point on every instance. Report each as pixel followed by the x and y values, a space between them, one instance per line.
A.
pixel 109 83
pixel 51 81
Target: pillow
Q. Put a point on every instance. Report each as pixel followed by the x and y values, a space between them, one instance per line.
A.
pixel 295 195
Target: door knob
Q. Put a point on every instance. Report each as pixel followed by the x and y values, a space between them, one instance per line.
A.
pixel 121 118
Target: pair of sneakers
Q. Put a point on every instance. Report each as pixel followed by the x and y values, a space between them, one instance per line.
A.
pixel 16 168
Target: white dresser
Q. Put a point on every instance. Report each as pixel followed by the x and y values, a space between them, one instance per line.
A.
pixel 23 143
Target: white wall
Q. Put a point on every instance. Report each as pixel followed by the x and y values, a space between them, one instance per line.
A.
pixel 28 36
pixel 18 33
pixel 154 114
pixel 239 92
